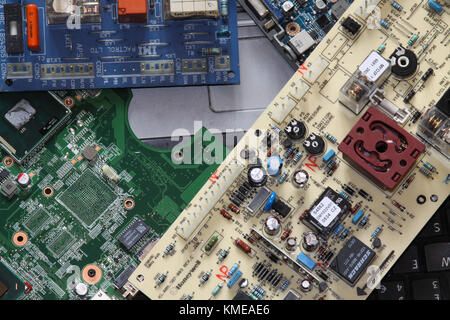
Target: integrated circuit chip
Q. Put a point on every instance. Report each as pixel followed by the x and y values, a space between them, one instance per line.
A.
pixel 122 279
pixel 61 243
pixel 327 211
pixel 3 289
pixel 134 233
pixel 11 287
pixel 352 260
pixel 88 198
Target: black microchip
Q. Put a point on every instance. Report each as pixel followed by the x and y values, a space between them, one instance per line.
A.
pixel 13 28
pixel 444 103
pixel 122 279
pixel 281 208
pixel 135 232
pixel 322 21
pixel 241 296
pixel 3 289
pixel 49 126
pixel 327 211
pixel 351 25
pixel 352 260
pixel 291 295
pixel 3 175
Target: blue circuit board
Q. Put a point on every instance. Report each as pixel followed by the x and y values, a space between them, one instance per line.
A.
pixel 283 20
pixel 99 44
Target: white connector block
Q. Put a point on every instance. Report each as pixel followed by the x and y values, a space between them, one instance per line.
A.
pixel 298 89
pixel 365 8
pixel 201 206
pixel 281 108
pixel 316 69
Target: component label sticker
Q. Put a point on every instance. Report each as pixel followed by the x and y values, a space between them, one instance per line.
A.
pixel 325 212
pixel 373 66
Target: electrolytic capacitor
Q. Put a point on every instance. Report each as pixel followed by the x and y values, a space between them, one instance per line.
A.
pixel 310 241
pixel 300 178
pixel 256 176
pixel 305 285
pixel 291 243
pixel 32 12
pixel 23 179
pixel 272 225
pixel 274 165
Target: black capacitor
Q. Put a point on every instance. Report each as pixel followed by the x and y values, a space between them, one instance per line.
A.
pixel 257 176
pixel 314 144
pixel 247 186
pixel 409 96
pixel 322 275
pixel 271 275
pixel 349 190
pixel 239 196
pixel 272 257
pixel 235 201
pixel 295 129
pixel 277 280
pixel 416 116
pixel 263 274
pixel 258 268
pixel 287 143
pixel 376 242
pixel 427 74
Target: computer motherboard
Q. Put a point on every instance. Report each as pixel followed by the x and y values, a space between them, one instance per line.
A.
pixel 295 27
pixel 82 205
pixel 334 180
pixel 87 44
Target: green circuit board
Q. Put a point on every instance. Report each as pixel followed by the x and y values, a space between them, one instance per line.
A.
pixel 89 203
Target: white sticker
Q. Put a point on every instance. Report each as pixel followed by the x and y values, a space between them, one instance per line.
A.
pixel 325 212
pixel 374 66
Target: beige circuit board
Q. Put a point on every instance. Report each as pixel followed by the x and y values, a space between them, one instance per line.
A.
pixel 189 252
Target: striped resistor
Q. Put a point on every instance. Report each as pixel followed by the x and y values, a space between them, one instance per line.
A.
pixel 396 6
pixel 330 137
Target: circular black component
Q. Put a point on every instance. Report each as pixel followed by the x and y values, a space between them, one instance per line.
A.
pixel 9 82
pixel 323 286
pixel 248 154
pixel 421 199
pixel 91 273
pixel 376 242
pixel 434 197
pixel 404 62
pixel 295 130
pixel 243 283
pixel 287 143
pixel 300 178
pixel 314 144
pixel 257 176
pixel 257 132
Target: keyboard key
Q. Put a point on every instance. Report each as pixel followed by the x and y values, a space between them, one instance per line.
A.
pixel 432 228
pixel 438 256
pixel 408 262
pixel 392 290
pixel 426 289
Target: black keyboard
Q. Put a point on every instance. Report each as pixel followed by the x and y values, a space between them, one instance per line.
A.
pixel 423 271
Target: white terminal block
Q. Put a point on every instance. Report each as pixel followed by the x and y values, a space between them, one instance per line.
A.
pixel 365 8
pixel 281 108
pixel 298 89
pixel 204 202
pixel 316 69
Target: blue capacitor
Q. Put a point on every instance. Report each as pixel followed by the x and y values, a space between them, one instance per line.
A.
pixel 357 216
pixel 274 165
pixel 270 201
pixel 234 278
pixel 329 155
pixel 436 7
pixel 306 261
pixel 338 230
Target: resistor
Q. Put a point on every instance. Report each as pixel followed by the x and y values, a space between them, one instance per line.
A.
pixel 272 275
pixel 409 96
pixel 161 279
pixel 217 289
pixel 384 23
pixel 224 8
pixel 168 249
pixel 211 243
pixel 288 153
pixel 286 234
pixel 297 157
pixel 344 234
pixel 211 51
pixel 205 277
pixel 224 254
pixel 243 246
pixel 263 274
pixel 363 221
pixel 349 190
pixel 412 40
pixel 282 178
pixel 408 181
pixel 258 291
pixel 396 6
pixel 376 232
pixel 356 207
pixel 258 268
pixel 429 166
pixel 285 285
pixel 233 208
pixel 426 173
pixel 344 194
pixel 398 205
pixel 381 48
pixel 226 215
pixel 233 269
pixel 277 130
pixel 189 296
pixel 330 137
pixel 277 280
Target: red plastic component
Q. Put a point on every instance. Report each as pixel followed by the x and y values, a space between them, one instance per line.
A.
pixel 381 149
pixel 132 11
